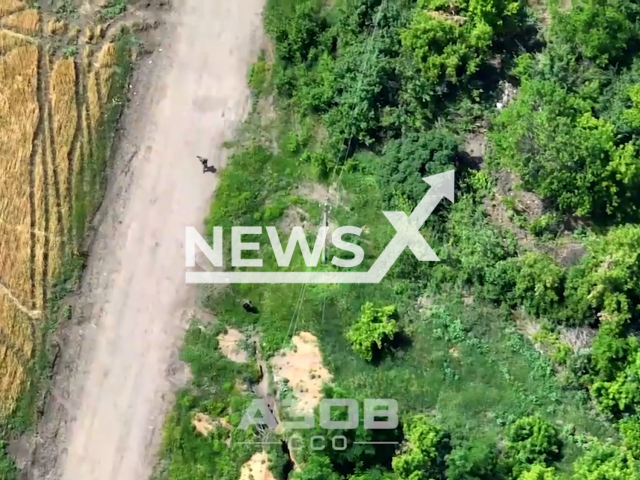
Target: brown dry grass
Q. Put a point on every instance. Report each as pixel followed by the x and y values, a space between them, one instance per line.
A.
pixel 24 21
pixel 106 61
pixel 89 34
pixel 10 40
pixel 15 347
pixel 56 27
pixel 65 120
pixel 40 194
pixel 8 7
pixel 18 120
pixel 93 98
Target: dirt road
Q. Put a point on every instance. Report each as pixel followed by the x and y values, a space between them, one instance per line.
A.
pixel 134 293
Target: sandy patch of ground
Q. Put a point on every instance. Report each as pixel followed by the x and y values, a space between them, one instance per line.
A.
pixel 317 192
pixel 294 217
pixel 257 468
pixel 204 424
pixel 303 369
pixel 229 344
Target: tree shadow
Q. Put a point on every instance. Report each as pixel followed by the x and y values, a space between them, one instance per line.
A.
pixel 401 342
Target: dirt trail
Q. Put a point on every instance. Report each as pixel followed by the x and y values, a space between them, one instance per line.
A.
pixel 114 383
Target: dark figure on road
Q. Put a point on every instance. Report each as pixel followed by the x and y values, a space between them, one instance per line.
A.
pixel 205 167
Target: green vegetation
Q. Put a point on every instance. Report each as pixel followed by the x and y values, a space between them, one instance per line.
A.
pixel 374 326
pixel 510 359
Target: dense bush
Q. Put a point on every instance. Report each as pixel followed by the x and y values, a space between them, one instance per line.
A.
pixel 424 451
pixel 630 430
pixel 539 472
pixel 449 40
pixel 606 462
pixel 408 160
pixel 532 440
pixel 373 327
pixel 473 461
pixel 549 136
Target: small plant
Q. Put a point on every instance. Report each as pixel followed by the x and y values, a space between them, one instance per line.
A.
pixel 113 9
pixel 70 51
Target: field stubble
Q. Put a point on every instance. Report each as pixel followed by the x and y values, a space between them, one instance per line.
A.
pixel 52 110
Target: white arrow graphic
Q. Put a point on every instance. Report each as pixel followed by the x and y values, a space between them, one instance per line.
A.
pixel 407 235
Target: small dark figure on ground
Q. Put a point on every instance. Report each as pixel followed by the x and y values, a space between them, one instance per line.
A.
pixel 248 306
pixel 205 165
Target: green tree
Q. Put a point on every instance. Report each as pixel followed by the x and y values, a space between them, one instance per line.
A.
pixel 317 467
pixel 630 430
pixel 551 139
pixel 622 395
pixel 423 454
pixel 601 31
pixel 539 472
pixel 532 440
pixel 450 40
pixel 473 461
pixel 606 462
pixel 407 161
pixel 609 277
pixel 373 327
pixel 539 284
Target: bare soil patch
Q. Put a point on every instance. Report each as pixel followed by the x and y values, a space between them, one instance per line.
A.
pixel 303 369
pixel 257 468
pixel 229 344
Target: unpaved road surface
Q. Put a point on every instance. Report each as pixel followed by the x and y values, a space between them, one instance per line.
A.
pixel 111 398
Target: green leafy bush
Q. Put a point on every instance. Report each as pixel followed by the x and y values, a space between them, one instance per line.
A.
pixel 408 160
pixel 374 327
pixel 423 454
pixel 606 462
pixel 630 430
pixel 532 440
pixel 539 472
pixel 472 461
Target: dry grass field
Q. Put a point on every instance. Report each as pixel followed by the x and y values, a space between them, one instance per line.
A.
pixel 52 106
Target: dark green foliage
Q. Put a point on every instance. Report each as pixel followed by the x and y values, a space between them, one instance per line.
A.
pixel 407 161
pixel 294 29
pixel 604 32
pixel 473 461
pixel 424 453
pixel 317 468
pixel 8 470
pixel 532 440
pixel 449 40
pixel 549 136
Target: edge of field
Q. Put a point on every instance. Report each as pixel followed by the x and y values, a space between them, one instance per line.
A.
pixel 32 401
